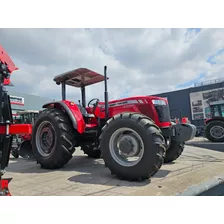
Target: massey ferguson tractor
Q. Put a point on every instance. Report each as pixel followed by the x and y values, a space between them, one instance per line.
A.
pixel 134 136
pixel 7 128
pixel 214 126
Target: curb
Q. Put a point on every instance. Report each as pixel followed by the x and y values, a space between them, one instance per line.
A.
pixel 213 187
pixel 207 145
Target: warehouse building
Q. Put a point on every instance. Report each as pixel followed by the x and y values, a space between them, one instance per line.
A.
pixel 194 102
pixel 21 101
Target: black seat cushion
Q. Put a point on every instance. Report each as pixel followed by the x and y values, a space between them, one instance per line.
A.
pixel 84 112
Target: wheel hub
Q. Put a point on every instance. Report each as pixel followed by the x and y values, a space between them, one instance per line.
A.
pixel 128 145
pixel 45 138
pixel 217 132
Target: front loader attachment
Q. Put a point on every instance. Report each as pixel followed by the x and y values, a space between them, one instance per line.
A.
pixel 7 128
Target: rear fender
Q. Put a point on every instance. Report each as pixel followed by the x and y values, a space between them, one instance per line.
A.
pixel 72 110
pixel 207 121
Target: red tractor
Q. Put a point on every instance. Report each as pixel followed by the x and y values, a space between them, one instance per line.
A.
pixel 214 126
pixel 131 134
pixel 22 146
pixel 7 128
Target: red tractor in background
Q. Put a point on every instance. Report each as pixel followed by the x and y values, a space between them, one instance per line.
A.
pixel 214 126
pixel 131 134
pixel 22 142
pixel 7 128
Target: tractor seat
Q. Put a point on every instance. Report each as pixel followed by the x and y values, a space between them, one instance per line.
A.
pixel 84 112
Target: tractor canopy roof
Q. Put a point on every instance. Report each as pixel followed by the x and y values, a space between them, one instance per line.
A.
pixel 216 102
pixel 28 112
pixel 80 77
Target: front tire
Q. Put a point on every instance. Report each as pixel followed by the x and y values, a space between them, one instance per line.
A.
pixel 139 137
pixel 53 139
pixel 174 151
pixel 214 131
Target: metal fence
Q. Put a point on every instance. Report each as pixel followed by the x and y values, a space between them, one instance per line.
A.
pixel 209 82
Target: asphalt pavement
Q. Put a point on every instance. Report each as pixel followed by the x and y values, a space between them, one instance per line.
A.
pixel 85 176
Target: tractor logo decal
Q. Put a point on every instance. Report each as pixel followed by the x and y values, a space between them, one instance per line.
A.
pixel 124 103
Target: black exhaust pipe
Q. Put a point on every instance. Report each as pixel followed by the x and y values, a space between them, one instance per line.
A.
pixel 106 94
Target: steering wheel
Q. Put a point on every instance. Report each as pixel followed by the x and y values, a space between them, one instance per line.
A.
pixel 92 103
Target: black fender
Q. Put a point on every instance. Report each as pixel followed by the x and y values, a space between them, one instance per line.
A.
pixel 61 104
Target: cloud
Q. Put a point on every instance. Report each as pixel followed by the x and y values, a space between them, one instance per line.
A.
pixel 140 61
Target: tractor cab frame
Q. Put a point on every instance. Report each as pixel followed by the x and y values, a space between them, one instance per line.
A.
pixel 217 109
pixel 80 78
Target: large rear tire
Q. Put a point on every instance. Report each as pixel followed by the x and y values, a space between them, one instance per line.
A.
pixel 214 131
pixel 174 151
pixel 53 139
pixel 139 137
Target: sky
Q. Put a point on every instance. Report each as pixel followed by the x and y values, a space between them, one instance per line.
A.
pixel 139 61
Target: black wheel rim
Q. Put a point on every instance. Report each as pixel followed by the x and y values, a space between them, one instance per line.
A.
pixel 45 138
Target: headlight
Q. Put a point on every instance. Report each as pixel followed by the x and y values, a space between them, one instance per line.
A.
pixel 159 102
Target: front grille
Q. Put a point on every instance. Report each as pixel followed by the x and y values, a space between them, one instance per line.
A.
pixel 146 110
pixel 163 113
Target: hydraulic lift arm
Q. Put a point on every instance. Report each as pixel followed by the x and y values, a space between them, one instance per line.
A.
pixel 7 128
